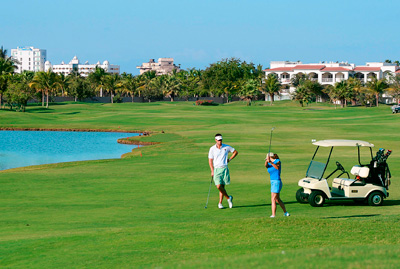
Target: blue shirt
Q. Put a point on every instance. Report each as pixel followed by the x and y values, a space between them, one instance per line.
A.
pixel 274 174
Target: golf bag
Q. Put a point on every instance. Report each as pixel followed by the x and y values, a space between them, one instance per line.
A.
pixel 379 170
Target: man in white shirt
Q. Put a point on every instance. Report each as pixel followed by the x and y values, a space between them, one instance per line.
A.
pixel 218 161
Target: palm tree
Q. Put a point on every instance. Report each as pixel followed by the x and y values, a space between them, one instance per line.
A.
pixel 250 90
pixel 129 84
pixel 377 86
pixel 145 81
pixel 64 82
pixel 97 79
pixel 271 86
pixel 112 82
pixel 303 95
pixel 394 89
pixel 46 82
pixel 7 68
pixel 170 86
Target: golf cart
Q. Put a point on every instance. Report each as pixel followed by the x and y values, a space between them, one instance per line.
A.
pixel 395 109
pixel 370 182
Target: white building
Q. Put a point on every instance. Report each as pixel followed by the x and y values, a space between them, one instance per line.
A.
pixel 329 73
pixel 29 58
pixel 82 69
pixel 162 67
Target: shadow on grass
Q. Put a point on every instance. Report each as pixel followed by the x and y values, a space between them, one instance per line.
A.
pixel 353 216
pixel 352 203
pixel 244 206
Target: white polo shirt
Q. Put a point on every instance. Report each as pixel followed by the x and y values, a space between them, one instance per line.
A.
pixel 220 156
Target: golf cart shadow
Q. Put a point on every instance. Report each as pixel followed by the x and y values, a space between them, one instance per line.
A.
pixel 360 203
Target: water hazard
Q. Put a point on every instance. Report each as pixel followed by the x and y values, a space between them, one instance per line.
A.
pixel 24 148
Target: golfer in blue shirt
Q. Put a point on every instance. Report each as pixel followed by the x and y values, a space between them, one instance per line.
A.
pixel 273 165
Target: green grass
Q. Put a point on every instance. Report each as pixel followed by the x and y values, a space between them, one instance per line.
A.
pixel 147 210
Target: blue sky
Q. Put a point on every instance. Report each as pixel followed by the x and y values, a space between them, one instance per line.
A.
pixel 198 33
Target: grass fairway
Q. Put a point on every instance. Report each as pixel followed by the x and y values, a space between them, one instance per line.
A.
pixel 147 209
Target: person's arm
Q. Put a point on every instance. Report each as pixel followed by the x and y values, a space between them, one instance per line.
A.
pixel 210 163
pixel 234 154
pixel 276 166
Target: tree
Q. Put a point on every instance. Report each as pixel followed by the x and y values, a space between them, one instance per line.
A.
pixel 250 90
pixel 394 89
pixel 7 68
pixel 377 87
pixel 129 84
pixel 46 82
pixel 96 79
pixel 63 83
pixel 79 87
pixel 145 82
pixel 271 86
pixel 302 95
pixel 112 82
pixel 19 93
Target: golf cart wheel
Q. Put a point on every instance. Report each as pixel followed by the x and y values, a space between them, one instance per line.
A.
pixel 301 197
pixel 375 198
pixel 316 198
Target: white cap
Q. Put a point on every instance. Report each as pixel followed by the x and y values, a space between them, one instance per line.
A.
pixel 271 154
pixel 219 137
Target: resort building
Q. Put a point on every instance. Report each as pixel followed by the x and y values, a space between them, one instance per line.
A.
pixel 29 58
pixel 83 69
pixel 162 67
pixel 328 73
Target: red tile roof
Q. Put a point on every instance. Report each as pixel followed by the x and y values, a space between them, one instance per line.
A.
pixel 367 68
pixel 279 69
pixel 335 69
pixel 308 66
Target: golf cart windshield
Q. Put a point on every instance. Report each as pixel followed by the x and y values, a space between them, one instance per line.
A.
pixel 316 169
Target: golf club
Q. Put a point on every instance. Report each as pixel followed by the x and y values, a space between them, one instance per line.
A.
pixel 209 189
pixel 270 140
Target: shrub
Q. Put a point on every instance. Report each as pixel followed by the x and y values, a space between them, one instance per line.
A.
pixel 206 103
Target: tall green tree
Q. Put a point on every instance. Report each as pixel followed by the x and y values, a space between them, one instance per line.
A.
pixel 130 84
pixel 377 86
pixel 7 68
pixel 271 86
pixel 302 95
pixel 18 92
pixel 46 82
pixel 112 82
pixel 96 79
pixel 250 90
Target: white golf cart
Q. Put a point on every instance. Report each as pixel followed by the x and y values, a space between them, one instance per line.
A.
pixel 370 183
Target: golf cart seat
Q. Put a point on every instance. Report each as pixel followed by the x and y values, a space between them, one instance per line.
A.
pixel 360 172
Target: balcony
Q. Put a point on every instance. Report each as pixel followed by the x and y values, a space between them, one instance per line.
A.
pixel 327 79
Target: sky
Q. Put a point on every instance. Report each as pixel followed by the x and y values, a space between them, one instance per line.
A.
pixel 199 33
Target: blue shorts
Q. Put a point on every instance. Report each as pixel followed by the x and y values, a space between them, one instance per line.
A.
pixel 276 186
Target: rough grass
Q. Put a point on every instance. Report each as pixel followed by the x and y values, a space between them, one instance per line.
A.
pixel 147 210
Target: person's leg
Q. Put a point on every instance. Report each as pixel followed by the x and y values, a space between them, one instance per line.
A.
pixel 222 192
pixel 278 199
pixel 273 203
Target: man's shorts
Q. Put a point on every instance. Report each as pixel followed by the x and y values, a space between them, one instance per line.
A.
pixel 276 186
pixel 221 176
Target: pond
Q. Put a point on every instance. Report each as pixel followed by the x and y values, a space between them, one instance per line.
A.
pixel 25 148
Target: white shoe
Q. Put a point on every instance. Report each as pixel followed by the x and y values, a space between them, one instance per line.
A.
pixel 220 206
pixel 230 201
pixel 272 216
pixel 286 214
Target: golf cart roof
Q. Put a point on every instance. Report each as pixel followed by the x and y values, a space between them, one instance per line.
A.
pixel 343 143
